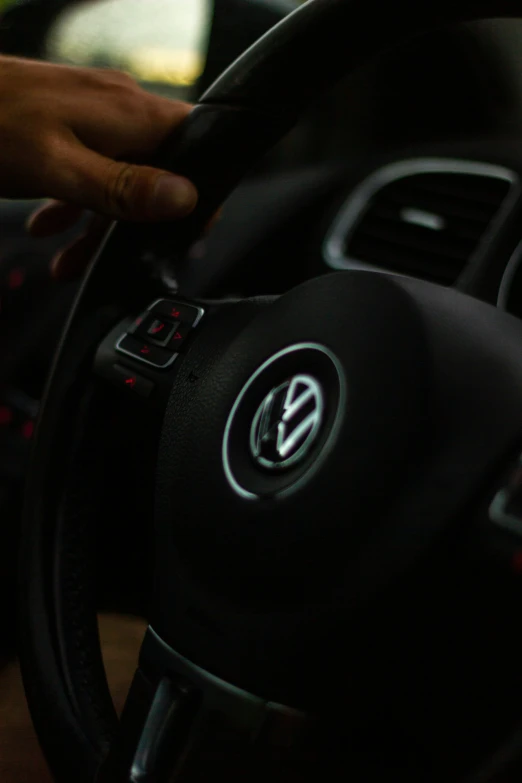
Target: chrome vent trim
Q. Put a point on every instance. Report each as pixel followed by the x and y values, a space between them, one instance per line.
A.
pixel 360 199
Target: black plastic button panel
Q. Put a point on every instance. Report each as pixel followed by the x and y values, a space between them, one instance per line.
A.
pixel 159 330
pixel 188 315
pixel 157 335
pixel 146 352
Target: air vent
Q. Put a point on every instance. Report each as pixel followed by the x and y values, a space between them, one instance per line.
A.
pixel 429 218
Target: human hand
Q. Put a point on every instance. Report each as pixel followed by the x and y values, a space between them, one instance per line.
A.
pixel 76 135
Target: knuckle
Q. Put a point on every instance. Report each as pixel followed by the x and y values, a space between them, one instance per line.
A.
pixel 161 108
pixel 114 76
pixel 117 86
pixel 51 150
pixel 159 117
pixel 152 116
pixel 125 96
pixel 120 187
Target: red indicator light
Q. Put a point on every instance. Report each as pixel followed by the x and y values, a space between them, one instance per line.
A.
pixel 145 350
pixel 16 278
pixel 28 429
pixel 174 313
pixel 157 329
pixel 177 336
pixel 6 416
pixel 130 382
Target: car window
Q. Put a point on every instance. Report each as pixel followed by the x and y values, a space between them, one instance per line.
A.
pixel 161 43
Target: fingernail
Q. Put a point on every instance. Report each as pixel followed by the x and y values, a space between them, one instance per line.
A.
pixel 173 197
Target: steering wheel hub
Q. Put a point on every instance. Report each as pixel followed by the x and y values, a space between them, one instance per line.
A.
pixel 287 423
pixel 323 394
pixel 274 439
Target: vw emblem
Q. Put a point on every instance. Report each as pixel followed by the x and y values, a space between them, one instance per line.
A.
pixel 287 423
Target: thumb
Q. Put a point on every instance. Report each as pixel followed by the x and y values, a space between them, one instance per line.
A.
pixel 123 191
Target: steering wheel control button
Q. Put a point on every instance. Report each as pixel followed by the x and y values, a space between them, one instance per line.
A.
pixel 158 330
pixel 179 335
pixel 146 352
pixel 284 422
pixel 287 423
pixel 131 382
pixel 188 315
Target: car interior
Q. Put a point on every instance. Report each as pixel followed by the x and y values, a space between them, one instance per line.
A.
pixel 291 507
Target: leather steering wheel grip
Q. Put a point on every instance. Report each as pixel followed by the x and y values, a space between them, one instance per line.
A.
pixel 249 107
pixel 311 49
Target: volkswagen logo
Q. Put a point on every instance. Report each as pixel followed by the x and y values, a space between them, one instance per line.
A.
pixel 284 422
pixel 287 423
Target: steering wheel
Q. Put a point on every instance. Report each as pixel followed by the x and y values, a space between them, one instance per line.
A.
pixel 332 479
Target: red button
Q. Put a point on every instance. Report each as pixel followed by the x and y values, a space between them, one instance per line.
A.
pixel 159 331
pixel 157 328
pixel 179 337
pixel 146 352
pixel 187 314
pixel 131 382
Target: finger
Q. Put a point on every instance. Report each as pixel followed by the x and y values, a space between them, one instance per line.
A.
pixel 54 217
pixel 131 123
pixel 123 191
pixel 71 261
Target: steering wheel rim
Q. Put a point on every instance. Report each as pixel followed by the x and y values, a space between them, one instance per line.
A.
pixel 241 115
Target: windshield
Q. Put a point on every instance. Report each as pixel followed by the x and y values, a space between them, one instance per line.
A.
pixel 161 43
